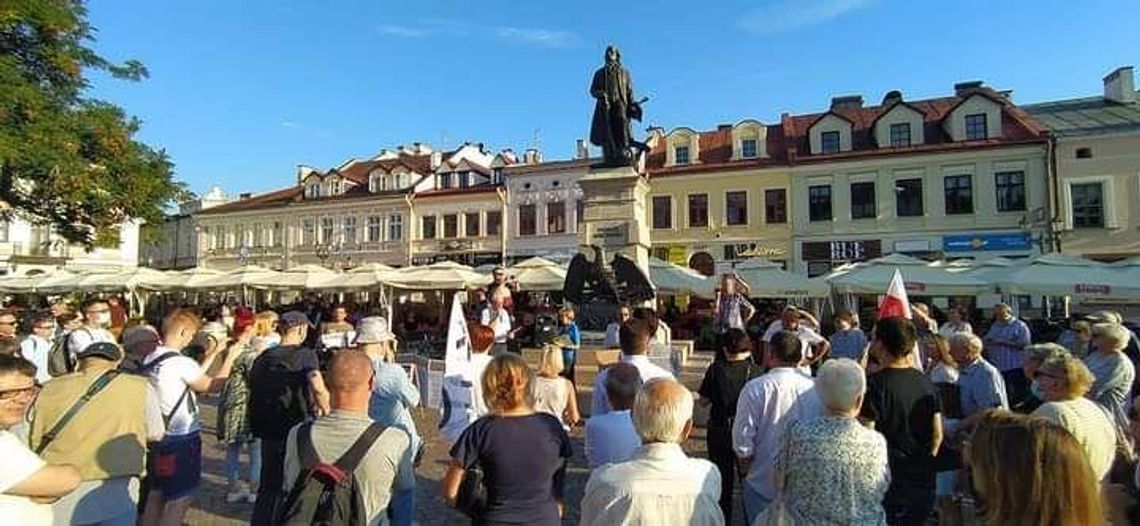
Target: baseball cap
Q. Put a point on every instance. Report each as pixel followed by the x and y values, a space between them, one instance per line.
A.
pixel 374 329
pixel 292 319
pixel 104 350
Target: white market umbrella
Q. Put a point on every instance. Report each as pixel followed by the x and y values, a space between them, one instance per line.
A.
pixel 239 278
pixel 80 281
pixel 1064 275
pixel 539 274
pixel 299 277
pixel 366 276
pixel 920 278
pixel 769 280
pixel 24 284
pixel 444 275
pixel 192 278
pixel 668 278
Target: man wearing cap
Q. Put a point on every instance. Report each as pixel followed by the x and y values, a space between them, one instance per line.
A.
pixel 393 396
pixel 138 342
pixel 285 388
pixel 106 438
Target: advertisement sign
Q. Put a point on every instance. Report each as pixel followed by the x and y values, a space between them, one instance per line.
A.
pixel 678 255
pixel 987 242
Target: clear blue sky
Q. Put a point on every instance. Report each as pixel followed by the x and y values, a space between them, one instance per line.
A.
pixel 242 91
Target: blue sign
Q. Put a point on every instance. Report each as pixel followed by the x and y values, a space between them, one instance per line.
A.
pixel 987 242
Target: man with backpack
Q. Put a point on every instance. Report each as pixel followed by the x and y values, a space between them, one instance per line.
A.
pixel 174 467
pixel 285 389
pixel 99 421
pixel 38 346
pixel 341 468
pixel 96 320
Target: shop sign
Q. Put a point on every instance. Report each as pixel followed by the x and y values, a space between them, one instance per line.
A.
pixel 987 242
pixel 612 236
pixel 854 250
pixel 678 255
pixel 1086 288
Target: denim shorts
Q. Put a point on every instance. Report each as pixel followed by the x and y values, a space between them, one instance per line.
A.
pixel 174 465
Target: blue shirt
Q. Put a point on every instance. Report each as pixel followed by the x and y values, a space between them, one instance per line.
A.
pixel 392 395
pixel 848 344
pixel 571 331
pixel 1005 344
pixel 1114 374
pixel 981 387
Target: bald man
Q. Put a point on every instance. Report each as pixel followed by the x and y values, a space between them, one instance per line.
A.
pixel 386 467
pixel 660 484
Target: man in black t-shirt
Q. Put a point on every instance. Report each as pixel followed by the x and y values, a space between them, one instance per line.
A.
pixel 720 389
pixel 904 406
pixel 285 388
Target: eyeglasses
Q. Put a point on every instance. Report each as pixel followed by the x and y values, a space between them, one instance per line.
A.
pixel 9 395
pixel 45 327
pixel 8 322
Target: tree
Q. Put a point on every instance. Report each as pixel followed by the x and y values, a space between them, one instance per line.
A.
pixel 67 160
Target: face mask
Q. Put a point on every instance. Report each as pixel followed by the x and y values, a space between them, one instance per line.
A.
pixel 103 319
pixel 1035 388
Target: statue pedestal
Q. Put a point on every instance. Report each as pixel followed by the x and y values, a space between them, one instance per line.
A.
pixel 614 212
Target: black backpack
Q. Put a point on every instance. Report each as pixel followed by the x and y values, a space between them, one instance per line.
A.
pixel 327 494
pixel 278 394
pixel 59 360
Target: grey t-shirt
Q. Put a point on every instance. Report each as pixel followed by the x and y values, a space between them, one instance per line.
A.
pixel 385 468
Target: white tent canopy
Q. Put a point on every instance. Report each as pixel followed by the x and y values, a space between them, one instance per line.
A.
pixel 239 278
pixel 674 279
pixel 299 277
pixel 444 275
pixel 921 278
pixel 539 274
pixel 769 280
pixel 1061 275
pixel 366 276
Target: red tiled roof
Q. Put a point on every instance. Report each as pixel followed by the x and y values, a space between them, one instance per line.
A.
pixel 358 172
pixel 440 192
pixel 266 200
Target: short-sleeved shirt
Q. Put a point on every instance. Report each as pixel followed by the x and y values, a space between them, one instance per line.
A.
pixel 850 344
pixel 299 362
pixel 902 403
pixel 19 464
pixel 523 460
pixel 808 337
pixel 722 384
pixel 171 379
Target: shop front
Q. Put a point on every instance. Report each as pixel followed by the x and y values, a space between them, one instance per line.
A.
pixel 822 256
pixel 970 245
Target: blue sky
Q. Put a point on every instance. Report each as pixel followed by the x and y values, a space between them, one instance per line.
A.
pixel 243 91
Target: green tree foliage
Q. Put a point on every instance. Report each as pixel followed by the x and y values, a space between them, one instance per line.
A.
pixel 67 160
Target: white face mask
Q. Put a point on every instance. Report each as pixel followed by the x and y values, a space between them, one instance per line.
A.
pixel 102 319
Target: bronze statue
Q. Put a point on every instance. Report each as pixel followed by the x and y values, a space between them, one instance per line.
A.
pixel 589 279
pixel 610 129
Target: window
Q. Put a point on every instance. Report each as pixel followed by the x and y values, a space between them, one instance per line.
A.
pixel 445 180
pixel 698 211
pixel 350 230
pixel 395 227
pixel 976 127
pixel 819 203
pixel 373 229
pixel 736 208
pixel 580 212
pixel 661 253
pixel 908 197
pixel 526 220
pixel 748 148
pixel 829 142
pixel 776 206
pixel 326 230
pixel 681 155
pixel 471 224
pixel 1084 153
pixel 959 194
pixel 275 235
pixel 312 191
pixel 900 134
pixel 497 176
pixel 374 183
pixel 662 212
pixel 1088 205
pixel 451 226
pixel 863 201
pixel 308 232
pixel 494 223
pixel 1010 191
pixel 464 179
pixel 556 217
pixel 428 227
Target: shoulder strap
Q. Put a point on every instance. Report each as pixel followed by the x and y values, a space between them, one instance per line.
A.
pixel 98 385
pixel 351 458
pixel 306 453
pixel 157 361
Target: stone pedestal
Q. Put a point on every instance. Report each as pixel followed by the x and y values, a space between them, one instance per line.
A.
pixel 614 212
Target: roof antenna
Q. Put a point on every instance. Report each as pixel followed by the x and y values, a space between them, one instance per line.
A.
pixel 536 139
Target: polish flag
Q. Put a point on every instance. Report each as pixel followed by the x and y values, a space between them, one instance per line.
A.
pixel 895 304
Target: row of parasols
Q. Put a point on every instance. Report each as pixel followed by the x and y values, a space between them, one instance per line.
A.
pixel 1045 275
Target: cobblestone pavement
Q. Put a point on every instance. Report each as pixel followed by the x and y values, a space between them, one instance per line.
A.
pixel 210 507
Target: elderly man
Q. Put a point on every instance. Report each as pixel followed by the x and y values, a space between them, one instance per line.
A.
pixel 980 385
pixel 1005 345
pixel 765 407
pixel 610 437
pixel 105 438
pixel 815 347
pixel 635 339
pixel 660 484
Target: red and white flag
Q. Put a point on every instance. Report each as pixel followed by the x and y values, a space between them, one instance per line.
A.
pixel 895 304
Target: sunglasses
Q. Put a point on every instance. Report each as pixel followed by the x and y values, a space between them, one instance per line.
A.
pixel 8 395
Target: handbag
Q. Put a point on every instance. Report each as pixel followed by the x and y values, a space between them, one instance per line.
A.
pixel 472 497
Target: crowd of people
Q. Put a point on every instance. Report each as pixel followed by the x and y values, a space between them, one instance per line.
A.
pixel 899 422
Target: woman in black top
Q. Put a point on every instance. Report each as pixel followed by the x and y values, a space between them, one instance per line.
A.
pixel 522 453
pixel 720 389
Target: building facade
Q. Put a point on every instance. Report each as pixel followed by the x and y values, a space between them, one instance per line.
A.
pixel 1096 159
pixel 28 248
pixel 544 209
pixel 173 244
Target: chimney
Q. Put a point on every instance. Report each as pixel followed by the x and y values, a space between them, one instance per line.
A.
pixel 509 155
pixel 892 97
pixel 1119 86
pixel 436 159
pixel 580 149
pixel 722 127
pixel 962 87
pixel 532 156
pixel 245 195
pixel 847 102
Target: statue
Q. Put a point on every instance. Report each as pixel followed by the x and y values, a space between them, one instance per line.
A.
pixel 590 279
pixel 610 129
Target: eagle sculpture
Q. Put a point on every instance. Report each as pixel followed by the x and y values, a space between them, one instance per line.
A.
pixel 621 282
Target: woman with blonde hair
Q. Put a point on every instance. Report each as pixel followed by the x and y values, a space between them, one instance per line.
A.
pixel 265 334
pixel 1112 370
pixel 521 452
pixel 1062 382
pixel 554 394
pixel 1028 470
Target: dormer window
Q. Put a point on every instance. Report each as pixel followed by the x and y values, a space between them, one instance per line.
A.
pixel 497 176
pixel 444 181
pixel 829 142
pixel 312 191
pixel 976 127
pixel 900 134
pixel 375 182
pixel 464 179
pixel 748 148
pixel 681 155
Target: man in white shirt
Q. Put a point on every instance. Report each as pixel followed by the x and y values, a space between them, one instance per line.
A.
pixel 175 470
pixel 610 437
pixel 660 484
pixel 613 338
pixel 498 319
pixel 815 347
pixel 766 406
pixel 96 320
pixel 36 347
pixel 635 337
pixel 27 483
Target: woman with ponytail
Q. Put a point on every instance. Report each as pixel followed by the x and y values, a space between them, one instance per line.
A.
pixel 522 453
